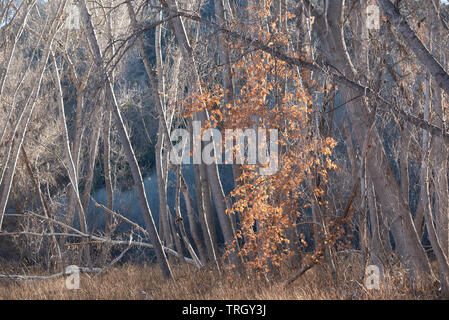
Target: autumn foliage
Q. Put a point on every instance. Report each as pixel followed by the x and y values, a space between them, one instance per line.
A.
pixel 269 95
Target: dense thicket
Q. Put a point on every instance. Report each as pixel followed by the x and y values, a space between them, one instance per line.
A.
pixel 355 93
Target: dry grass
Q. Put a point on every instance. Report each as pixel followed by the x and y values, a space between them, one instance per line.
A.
pixel 145 282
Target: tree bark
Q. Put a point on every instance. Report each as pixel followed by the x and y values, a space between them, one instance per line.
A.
pixel 378 169
pixel 69 163
pixel 211 170
pixel 419 49
pixel 129 152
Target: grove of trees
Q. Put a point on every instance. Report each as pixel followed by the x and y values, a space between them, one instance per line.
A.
pixel 357 91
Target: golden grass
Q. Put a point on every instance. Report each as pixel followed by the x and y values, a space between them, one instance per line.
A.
pixel 145 282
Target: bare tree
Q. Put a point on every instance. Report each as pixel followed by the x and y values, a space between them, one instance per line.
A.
pixel 123 135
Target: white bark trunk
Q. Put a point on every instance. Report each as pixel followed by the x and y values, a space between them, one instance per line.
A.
pixel 129 152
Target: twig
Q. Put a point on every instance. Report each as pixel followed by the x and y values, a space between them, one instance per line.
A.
pixel 118 257
pixel 135 225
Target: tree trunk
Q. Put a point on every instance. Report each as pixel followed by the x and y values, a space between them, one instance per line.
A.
pixel 70 164
pixel 206 226
pixel 129 152
pixel 162 176
pixel 212 169
pixel 422 53
pixel 378 169
pixel 180 222
pixel 193 224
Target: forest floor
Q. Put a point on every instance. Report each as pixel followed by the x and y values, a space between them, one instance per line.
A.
pixel 145 282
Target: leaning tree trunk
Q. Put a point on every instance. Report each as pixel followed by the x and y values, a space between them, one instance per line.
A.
pixel 163 136
pixel 419 49
pixel 69 163
pixel 162 176
pixel 179 221
pixel 206 224
pixel 124 138
pixel 106 134
pixel 225 62
pixel 441 256
pixel 378 169
pixel 202 116
pixel 439 152
pixel 193 224
pixel 92 157
pixel 75 152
